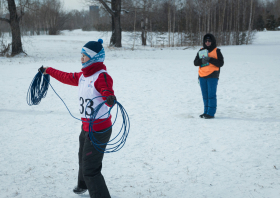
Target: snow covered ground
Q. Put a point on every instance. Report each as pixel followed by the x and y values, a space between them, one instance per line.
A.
pixel 170 151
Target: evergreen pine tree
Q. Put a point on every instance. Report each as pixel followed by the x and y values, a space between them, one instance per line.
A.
pixel 259 23
pixel 271 23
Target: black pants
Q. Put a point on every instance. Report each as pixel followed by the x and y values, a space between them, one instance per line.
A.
pixel 90 165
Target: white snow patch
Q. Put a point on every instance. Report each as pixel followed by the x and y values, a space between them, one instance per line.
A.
pixel 170 151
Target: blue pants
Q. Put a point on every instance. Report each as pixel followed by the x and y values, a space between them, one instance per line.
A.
pixel 209 88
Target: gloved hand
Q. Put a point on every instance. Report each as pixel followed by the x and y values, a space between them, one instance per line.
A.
pixel 205 60
pixel 42 69
pixel 110 100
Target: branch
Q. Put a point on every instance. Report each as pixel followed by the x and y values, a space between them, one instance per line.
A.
pixel 107 7
pixel 21 15
pixel 19 18
pixel 4 19
pixel 28 7
pixel 126 11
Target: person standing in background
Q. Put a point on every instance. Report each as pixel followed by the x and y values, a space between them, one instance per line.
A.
pixel 209 71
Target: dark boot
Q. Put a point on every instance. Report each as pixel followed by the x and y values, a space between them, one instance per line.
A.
pixel 202 115
pixel 79 190
pixel 206 116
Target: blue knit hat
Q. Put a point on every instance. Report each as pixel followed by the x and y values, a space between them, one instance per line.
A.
pixel 95 51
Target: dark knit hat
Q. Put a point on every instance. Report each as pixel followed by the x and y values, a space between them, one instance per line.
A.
pixel 95 51
pixel 92 48
pixel 208 38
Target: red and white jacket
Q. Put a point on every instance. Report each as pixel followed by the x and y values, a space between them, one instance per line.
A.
pixel 92 81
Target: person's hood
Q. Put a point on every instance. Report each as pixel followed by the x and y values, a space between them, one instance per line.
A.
pixel 213 43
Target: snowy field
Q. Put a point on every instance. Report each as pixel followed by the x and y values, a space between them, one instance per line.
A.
pixel 170 151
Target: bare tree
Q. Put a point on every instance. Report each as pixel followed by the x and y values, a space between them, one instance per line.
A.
pixel 54 16
pixel 115 12
pixel 144 26
pixel 4 48
pixel 134 33
pixel 169 22
pixel 15 28
pixel 185 21
pixel 143 9
pixel 250 22
pixel 144 20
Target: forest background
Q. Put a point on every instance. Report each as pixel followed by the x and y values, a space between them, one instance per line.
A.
pixel 157 23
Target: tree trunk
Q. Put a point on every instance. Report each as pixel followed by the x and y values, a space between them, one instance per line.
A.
pixel 230 23
pixel 208 16
pixel 215 19
pixel 134 27
pixel 199 30
pixel 205 21
pixel 222 23
pixel 237 24
pixel 190 23
pixel 143 32
pixel 244 16
pixel 228 29
pixel 151 31
pixel 187 25
pixel 14 23
pixel 146 29
pixel 144 25
pixel 169 24
pixel 115 12
pixel 116 39
pixel 173 40
pixel 250 21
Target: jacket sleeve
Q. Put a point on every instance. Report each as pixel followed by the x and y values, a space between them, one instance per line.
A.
pixel 217 62
pixel 104 85
pixel 66 78
pixel 197 61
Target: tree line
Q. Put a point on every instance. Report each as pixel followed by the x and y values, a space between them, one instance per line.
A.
pixel 185 21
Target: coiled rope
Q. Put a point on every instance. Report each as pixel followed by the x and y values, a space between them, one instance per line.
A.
pixel 114 144
pixel 38 90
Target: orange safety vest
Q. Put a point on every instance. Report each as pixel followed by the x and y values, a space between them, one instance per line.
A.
pixel 207 70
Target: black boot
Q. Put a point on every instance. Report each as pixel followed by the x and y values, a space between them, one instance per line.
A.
pixel 79 190
pixel 206 116
pixel 202 115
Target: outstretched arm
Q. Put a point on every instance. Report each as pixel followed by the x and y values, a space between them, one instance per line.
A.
pixel 66 78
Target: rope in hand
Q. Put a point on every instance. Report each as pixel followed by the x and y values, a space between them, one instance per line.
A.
pixel 113 145
pixel 38 90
